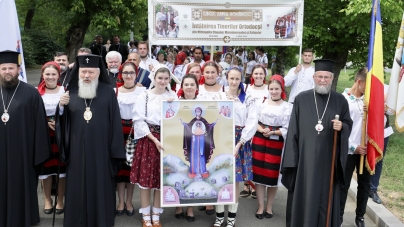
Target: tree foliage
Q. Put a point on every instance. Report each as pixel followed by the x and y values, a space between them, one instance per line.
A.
pixel 339 30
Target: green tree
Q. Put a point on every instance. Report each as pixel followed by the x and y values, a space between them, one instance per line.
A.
pixel 339 30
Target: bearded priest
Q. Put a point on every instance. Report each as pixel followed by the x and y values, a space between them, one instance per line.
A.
pixel 90 129
pixel 307 159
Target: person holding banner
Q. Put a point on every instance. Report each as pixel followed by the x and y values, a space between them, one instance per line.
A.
pixel 145 170
pixel 24 144
pixel 307 159
pixel 51 91
pixel 355 96
pixel 245 119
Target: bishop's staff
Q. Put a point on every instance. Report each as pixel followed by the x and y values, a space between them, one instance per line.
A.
pixel 330 192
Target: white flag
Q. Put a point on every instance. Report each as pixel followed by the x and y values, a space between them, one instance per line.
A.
pixel 10 38
pixel 395 96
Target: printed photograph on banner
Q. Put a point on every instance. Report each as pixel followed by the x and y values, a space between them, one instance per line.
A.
pixel 230 23
pixel 197 163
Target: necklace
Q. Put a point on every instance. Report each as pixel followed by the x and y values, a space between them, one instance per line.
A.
pixel 275 100
pixel 129 87
pixel 5 117
pixel 258 85
pixel 88 114
pixel 211 85
pixel 319 127
pixel 231 97
pixel 51 88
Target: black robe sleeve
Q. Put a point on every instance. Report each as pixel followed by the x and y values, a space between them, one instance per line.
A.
pixel 62 133
pixel 291 152
pixel 42 146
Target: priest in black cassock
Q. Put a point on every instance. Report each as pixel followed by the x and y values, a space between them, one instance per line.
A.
pixel 306 164
pixel 24 144
pixel 91 129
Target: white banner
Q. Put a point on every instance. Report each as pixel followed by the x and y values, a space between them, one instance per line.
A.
pixel 11 37
pixel 395 96
pixel 235 23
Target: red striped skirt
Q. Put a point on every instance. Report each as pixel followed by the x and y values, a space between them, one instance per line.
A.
pixel 266 154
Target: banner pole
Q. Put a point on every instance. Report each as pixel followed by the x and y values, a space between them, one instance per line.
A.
pixel 300 54
pixel 212 48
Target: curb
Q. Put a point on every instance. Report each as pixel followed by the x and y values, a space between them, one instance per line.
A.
pixel 377 212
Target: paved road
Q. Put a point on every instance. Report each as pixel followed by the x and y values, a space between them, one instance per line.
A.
pixel 245 215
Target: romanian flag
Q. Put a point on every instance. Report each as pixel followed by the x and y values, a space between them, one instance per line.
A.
pixel 374 93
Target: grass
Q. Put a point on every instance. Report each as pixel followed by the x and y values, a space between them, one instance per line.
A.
pixel 391 188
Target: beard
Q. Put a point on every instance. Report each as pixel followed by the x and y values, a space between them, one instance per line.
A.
pixel 11 83
pixel 88 90
pixel 322 89
pixel 62 68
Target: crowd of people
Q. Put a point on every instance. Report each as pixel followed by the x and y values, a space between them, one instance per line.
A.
pixel 82 115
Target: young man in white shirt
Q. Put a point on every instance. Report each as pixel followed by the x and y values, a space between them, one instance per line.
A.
pixel 301 76
pixel 145 62
pixel 355 96
pixel 262 57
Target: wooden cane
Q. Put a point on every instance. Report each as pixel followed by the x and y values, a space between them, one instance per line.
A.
pixel 363 141
pixel 334 152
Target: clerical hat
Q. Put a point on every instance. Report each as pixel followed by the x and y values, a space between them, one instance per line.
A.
pixel 9 56
pixel 324 65
pixel 89 61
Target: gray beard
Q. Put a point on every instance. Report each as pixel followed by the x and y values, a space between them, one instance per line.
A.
pixel 9 84
pixel 88 91
pixel 322 89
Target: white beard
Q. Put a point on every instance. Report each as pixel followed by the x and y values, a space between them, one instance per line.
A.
pixel 88 90
pixel 322 89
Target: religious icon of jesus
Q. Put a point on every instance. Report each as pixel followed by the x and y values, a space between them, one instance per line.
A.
pixel 198 144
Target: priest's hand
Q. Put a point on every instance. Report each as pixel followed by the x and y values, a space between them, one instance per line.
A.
pixel 360 150
pixel 64 99
pixel 337 125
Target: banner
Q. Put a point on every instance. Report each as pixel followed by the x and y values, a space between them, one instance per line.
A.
pixel 395 96
pixel 197 164
pixel 11 37
pixel 190 22
pixel 374 93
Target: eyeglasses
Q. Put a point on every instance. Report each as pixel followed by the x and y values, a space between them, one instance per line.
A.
pixel 129 73
pixel 323 77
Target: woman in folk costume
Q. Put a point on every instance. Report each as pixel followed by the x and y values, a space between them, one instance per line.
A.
pixel 194 69
pixel 188 91
pixel 145 170
pixel 51 91
pixel 267 144
pixel 127 93
pixel 245 119
pixel 209 89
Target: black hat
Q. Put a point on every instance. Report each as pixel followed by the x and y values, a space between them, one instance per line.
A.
pixel 324 65
pixel 9 56
pixel 89 61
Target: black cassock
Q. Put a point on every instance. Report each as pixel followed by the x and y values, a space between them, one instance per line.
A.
pixel 306 164
pixel 92 152
pixel 24 144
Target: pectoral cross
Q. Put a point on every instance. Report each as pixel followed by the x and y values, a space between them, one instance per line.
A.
pixel 87 60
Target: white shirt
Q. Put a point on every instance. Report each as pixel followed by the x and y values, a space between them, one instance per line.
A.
pixel 178 72
pixel 259 94
pixel 126 102
pixel 145 63
pixel 275 115
pixel 210 95
pixel 250 66
pixel 263 59
pixel 153 111
pixel 303 81
pixel 170 66
pixel 245 115
pixel 51 101
pixel 356 112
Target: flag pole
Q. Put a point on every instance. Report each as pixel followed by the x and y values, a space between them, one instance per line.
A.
pixel 363 140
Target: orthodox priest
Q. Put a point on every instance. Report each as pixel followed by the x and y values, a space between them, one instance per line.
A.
pixel 91 129
pixel 307 159
pixel 24 144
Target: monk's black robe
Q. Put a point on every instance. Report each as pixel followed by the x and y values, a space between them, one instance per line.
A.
pixel 92 152
pixel 306 164
pixel 24 144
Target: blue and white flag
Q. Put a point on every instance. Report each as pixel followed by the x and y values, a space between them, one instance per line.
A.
pixel 10 38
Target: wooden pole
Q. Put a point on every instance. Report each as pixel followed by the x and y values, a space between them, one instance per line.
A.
pixel 363 140
pixel 334 152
